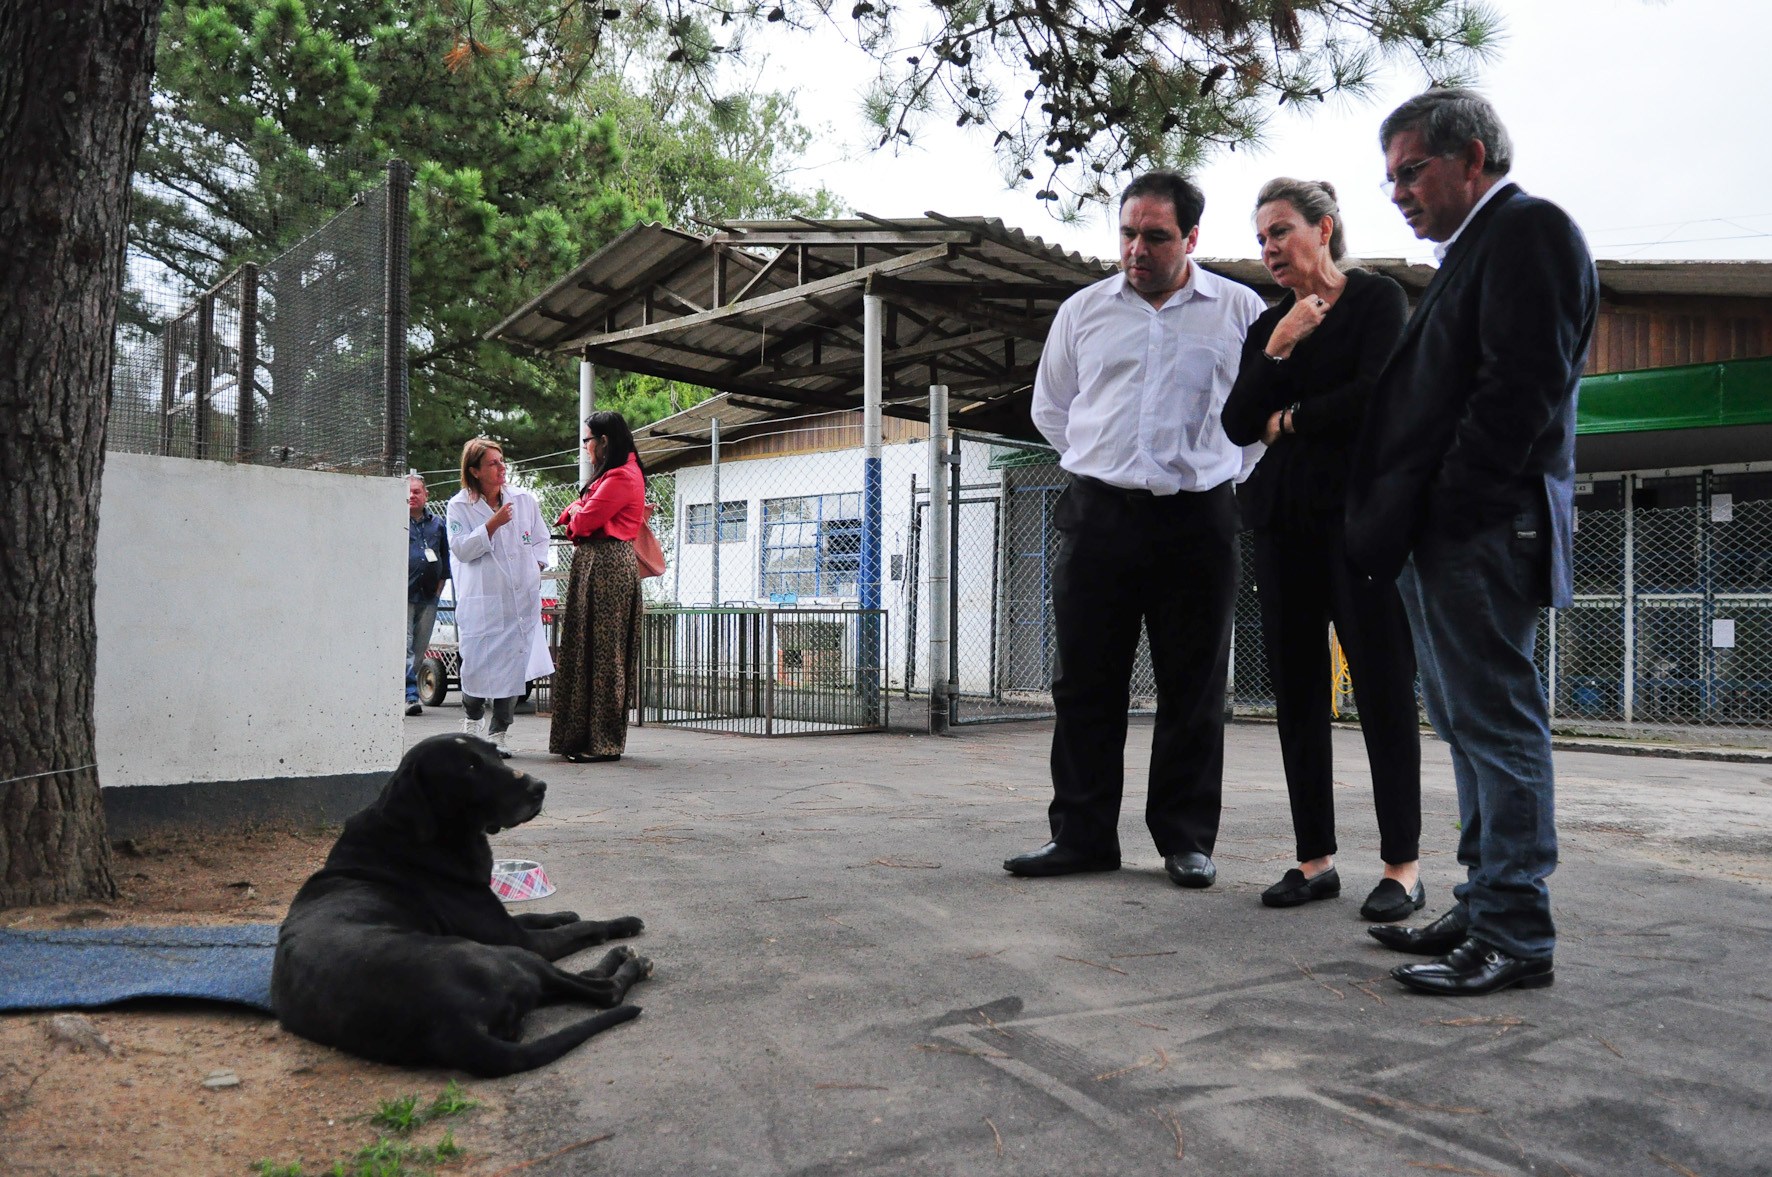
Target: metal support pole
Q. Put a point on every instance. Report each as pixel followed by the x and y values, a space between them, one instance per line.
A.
pixel 714 464
pixel 396 314
pixel 245 403
pixel 1628 693
pixel 587 404
pixel 203 380
pixel 868 661
pixel 954 471
pixel 938 560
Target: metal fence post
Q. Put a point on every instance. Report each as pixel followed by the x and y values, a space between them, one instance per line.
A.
pixel 245 407
pixel 168 381
pixel 202 381
pixel 954 482
pixel 938 560
pixel 868 589
pixel 587 404
pixel 1629 690
pixel 396 313
pixel 714 467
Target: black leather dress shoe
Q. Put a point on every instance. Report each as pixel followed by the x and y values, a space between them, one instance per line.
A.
pixel 1294 888
pixel 1473 969
pixel 1053 859
pixel 1389 902
pixel 1192 869
pixel 1437 938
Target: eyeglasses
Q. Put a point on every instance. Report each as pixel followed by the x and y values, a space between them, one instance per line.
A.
pixel 1405 176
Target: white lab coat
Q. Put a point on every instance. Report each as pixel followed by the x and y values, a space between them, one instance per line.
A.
pixel 498 594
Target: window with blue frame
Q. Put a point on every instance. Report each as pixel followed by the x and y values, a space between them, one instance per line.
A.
pixel 812 546
pixel 698 526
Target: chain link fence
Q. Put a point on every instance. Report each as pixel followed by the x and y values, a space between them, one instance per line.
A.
pixel 297 361
pixel 1669 637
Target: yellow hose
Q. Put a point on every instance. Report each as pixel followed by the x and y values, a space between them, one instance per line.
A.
pixel 1340 681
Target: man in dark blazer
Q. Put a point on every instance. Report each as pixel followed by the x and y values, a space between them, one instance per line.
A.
pixel 1462 488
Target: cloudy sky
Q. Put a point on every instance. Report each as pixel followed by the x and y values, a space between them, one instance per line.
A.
pixel 1646 120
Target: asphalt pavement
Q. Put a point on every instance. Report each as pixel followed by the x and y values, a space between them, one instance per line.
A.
pixel 848 982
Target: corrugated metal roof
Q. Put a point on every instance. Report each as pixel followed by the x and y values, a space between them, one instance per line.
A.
pixel 773 309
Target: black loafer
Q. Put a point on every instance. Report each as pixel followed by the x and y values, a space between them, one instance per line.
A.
pixel 415 708
pixel 1192 869
pixel 1436 939
pixel 1473 969
pixel 1053 859
pixel 1389 903
pixel 1294 888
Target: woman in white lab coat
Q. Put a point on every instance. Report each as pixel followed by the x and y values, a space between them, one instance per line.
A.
pixel 498 545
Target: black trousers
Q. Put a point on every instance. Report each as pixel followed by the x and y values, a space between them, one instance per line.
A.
pixel 1304 581
pixel 1169 564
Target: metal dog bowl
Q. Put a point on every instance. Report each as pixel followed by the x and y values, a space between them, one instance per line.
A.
pixel 516 879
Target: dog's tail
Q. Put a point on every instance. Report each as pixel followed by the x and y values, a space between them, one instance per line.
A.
pixel 479 1053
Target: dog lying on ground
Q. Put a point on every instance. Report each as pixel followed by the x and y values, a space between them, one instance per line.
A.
pixel 397 949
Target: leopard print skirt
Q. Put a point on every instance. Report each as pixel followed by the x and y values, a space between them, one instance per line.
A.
pixel 597 673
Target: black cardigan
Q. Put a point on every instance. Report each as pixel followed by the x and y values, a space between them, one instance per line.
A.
pixel 1303 476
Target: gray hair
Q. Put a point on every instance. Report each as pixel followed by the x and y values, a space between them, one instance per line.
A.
pixel 1314 200
pixel 1448 119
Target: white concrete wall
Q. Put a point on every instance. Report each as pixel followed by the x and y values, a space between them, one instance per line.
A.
pixel 250 622
pixel 752 480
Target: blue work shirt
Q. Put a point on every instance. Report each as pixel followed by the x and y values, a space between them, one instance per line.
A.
pixel 424 575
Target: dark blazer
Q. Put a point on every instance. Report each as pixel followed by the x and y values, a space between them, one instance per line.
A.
pixel 1302 477
pixel 1473 419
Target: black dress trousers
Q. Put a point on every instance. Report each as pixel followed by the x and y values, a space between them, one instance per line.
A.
pixel 1305 581
pixel 1169 563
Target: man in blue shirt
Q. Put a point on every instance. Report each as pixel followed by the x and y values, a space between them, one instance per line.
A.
pixel 427 567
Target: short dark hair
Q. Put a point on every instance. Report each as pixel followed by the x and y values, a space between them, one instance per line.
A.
pixel 1174 187
pixel 613 429
pixel 1449 117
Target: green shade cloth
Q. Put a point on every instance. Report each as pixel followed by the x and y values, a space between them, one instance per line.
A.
pixel 1694 396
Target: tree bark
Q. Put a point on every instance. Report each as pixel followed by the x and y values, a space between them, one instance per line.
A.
pixel 74 80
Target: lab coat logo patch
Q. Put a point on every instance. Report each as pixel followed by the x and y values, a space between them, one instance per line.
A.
pixel 525 537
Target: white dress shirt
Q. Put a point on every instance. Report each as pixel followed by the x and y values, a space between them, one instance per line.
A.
pixel 1441 249
pixel 1130 394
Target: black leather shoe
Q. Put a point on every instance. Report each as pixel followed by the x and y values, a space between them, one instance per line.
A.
pixel 1389 903
pixel 1192 869
pixel 1473 969
pixel 1436 939
pixel 1294 888
pixel 415 708
pixel 1053 859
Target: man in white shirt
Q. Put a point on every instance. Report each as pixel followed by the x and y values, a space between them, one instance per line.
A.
pixel 1134 374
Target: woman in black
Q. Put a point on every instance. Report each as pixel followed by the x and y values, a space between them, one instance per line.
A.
pixel 1307 370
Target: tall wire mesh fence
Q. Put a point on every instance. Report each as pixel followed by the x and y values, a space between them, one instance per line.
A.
pixel 1669 637
pixel 284 362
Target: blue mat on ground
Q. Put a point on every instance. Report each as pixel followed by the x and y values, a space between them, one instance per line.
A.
pixel 83 967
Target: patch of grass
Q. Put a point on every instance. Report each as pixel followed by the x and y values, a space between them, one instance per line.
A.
pixel 450 1103
pixel 394 1156
pixel 398 1115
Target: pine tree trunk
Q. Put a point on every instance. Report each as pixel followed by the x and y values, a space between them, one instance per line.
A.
pixel 74 80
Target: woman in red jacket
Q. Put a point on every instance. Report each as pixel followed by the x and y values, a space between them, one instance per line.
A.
pixel 597 679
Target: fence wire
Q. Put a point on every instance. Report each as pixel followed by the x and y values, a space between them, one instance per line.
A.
pixel 1669 637
pixel 284 363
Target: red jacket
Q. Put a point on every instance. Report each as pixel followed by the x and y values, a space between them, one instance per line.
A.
pixel 614 505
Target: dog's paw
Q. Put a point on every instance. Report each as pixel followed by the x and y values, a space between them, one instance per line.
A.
pixel 644 964
pixel 627 925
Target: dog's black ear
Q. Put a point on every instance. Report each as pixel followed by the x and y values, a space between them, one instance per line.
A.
pixel 403 802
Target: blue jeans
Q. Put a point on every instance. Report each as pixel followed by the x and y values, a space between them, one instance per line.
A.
pixel 420 617
pixel 1473 610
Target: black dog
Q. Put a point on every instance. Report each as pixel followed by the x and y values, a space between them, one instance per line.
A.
pixel 398 950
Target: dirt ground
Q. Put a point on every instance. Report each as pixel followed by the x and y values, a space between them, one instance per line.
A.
pixel 141 1109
